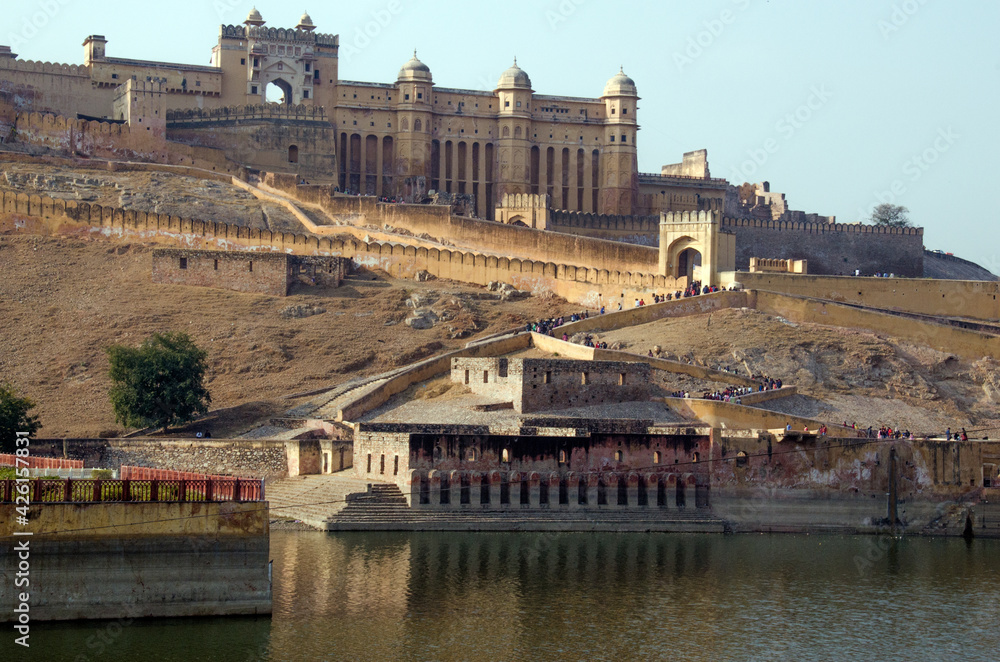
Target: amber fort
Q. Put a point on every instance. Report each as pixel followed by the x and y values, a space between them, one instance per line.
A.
pixel 552 339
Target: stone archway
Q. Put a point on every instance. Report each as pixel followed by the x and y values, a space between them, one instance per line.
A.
pixel 693 246
pixel 276 87
pixel 685 258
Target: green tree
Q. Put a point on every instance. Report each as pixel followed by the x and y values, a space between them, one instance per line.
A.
pixel 14 417
pixel 893 216
pixel 160 383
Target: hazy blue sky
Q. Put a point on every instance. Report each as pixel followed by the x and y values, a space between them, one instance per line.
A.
pixel 839 105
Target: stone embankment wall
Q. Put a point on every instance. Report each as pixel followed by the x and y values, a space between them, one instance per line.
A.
pixel 138 560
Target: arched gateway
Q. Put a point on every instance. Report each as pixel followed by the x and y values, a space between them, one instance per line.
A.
pixel 693 245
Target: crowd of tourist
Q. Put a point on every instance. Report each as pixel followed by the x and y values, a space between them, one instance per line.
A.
pixel 546 326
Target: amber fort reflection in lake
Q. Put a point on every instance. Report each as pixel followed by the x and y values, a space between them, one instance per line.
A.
pixel 544 596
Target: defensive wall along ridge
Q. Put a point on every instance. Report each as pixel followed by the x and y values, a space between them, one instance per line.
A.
pixel 108 140
pixel 33 214
pixel 830 248
pixel 437 221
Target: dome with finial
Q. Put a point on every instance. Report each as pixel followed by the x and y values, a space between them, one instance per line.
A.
pixel 306 22
pixel 415 70
pixel 620 85
pixel 515 77
pixel 254 18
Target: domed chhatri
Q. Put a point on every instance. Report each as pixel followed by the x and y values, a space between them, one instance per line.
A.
pixel 254 18
pixel 415 70
pixel 515 77
pixel 620 85
pixel 306 23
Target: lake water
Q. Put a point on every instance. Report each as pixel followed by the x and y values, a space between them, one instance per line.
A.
pixel 538 596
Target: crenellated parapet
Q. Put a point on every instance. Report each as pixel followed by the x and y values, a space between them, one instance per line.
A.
pixel 52 68
pixel 819 228
pixel 277 34
pixel 260 111
pixel 610 222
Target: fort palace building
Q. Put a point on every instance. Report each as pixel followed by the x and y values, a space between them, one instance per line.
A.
pixel 401 138
pixel 561 164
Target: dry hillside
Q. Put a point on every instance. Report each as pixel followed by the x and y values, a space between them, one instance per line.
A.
pixel 843 374
pixel 63 301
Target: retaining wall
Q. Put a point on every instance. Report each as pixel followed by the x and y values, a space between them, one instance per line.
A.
pixel 925 296
pixel 137 560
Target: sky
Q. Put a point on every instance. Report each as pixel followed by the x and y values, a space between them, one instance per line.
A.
pixel 839 105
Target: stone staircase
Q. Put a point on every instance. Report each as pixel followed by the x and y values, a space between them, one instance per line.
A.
pixel 312 499
pixel 384 508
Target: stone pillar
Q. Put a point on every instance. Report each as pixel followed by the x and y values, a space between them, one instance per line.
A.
pixel 455 490
pixel 633 490
pixel 379 153
pixel 434 478
pixel 494 479
pixel 534 487
pixel 592 480
pixel 413 494
pixel 514 484
pixel 553 480
pixel 588 180
pixel 475 490
pixel 612 480
pixel 652 489
pixel 573 490
pixel 670 488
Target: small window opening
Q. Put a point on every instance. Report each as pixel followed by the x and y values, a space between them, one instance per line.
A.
pixel 184 263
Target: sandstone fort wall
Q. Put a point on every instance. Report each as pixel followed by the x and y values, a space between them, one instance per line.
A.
pixel 109 140
pixel 972 345
pixel 830 248
pixel 42 215
pixel 438 222
pixel 950 298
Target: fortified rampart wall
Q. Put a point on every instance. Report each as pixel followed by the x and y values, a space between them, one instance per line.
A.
pixel 830 248
pixel 972 345
pixel 53 88
pixel 438 222
pixel 948 298
pixel 42 215
pixel 107 140
pixel 297 139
